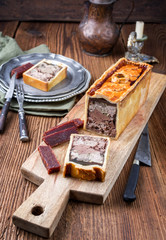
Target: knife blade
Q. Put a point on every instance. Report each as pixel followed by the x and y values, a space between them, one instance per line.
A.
pixel 6 106
pixel 142 156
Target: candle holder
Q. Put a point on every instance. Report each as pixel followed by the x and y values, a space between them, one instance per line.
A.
pixel 135 46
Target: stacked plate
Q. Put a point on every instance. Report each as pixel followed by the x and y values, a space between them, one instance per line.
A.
pixel 76 82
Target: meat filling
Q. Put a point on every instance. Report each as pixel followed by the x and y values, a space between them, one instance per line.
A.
pixel 88 150
pixel 102 117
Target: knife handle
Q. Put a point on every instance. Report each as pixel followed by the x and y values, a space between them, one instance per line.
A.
pixel 23 126
pixel 3 115
pixel 129 194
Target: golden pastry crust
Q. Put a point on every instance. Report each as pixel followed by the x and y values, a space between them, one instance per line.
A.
pixel 124 85
pixel 114 88
pixel 45 85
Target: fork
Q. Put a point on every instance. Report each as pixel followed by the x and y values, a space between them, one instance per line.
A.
pixel 22 120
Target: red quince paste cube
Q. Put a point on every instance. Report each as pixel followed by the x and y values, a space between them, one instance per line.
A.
pixel 21 69
pixel 49 159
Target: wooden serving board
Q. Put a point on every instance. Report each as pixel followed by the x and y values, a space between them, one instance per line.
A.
pixel 41 212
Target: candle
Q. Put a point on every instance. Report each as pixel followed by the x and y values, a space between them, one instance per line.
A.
pixel 139 29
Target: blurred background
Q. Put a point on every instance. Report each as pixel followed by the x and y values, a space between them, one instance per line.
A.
pixel 72 10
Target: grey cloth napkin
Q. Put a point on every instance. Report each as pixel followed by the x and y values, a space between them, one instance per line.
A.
pixel 9 49
pixel 51 109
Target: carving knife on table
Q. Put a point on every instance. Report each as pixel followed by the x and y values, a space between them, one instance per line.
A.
pixel 142 156
pixel 6 106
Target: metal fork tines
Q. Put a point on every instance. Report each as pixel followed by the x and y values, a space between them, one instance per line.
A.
pixel 22 120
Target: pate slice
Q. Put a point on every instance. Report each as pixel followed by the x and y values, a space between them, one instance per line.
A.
pixel 87 157
pixel 45 75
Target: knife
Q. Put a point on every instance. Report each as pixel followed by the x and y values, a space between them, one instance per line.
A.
pixel 142 156
pixel 6 106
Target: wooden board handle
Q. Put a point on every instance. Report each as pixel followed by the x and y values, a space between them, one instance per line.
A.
pixel 41 212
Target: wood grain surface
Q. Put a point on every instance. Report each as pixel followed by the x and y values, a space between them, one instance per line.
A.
pixel 72 10
pixel 115 219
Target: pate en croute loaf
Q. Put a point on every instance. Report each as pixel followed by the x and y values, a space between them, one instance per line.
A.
pixel 113 100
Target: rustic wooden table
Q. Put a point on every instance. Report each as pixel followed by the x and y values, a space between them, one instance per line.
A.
pixel 145 218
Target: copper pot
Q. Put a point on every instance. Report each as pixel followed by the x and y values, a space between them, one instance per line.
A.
pixel 97 32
